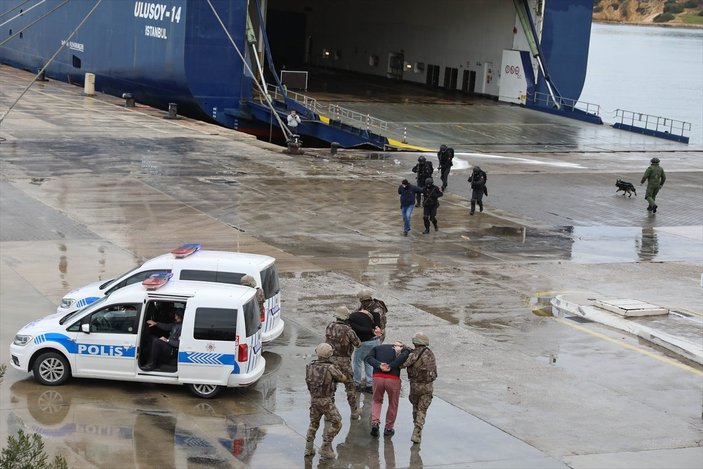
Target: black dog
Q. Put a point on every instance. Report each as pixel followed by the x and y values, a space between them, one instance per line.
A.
pixel 626 187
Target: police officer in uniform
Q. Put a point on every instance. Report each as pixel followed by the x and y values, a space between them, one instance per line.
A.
pixel 445 155
pixel 322 377
pixel 477 180
pixel 429 210
pixel 344 340
pixel 422 371
pixel 424 170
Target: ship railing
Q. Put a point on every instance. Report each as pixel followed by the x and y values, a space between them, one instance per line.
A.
pixel 357 119
pixel 308 102
pixel 566 104
pixel 333 111
pixel 655 123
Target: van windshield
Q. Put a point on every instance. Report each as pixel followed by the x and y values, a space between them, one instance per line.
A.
pixel 269 281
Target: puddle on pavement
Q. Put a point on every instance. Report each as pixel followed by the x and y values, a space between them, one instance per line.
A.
pixel 589 244
pixel 604 244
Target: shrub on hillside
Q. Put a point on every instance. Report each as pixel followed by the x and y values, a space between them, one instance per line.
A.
pixel 663 18
pixel 692 4
pixel 672 7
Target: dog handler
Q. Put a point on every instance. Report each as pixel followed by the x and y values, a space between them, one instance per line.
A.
pixel 655 177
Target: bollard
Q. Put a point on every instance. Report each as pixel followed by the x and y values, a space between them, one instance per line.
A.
pixel 89 84
pixel 334 146
pixel 294 144
pixel 42 75
pixel 405 135
pixel 368 121
pixel 172 111
pixel 128 99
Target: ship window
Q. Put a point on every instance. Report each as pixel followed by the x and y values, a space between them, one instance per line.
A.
pixel 76 62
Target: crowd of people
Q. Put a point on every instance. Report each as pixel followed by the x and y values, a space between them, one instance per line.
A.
pixel 355 355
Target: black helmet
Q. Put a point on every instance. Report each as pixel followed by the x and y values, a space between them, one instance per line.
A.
pixel 442 147
pixel 654 160
pixel 477 168
pixel 421 159
pixel 429 181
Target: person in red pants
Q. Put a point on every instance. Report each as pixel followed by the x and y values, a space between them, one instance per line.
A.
pixel 386 360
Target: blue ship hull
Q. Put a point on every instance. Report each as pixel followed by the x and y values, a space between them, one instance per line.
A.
pixel 178 52
pixel 160 53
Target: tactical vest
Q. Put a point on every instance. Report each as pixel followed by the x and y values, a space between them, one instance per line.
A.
pixel 319 380
pixel 337 334
pixel 379 307
pixel 424 370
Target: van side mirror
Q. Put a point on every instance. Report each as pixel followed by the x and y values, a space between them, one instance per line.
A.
pixel 85 327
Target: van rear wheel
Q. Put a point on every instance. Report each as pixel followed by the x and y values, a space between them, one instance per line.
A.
pixel 51 369
pixel 206 391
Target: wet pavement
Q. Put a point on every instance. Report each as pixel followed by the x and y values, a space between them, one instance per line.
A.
pixel 89 189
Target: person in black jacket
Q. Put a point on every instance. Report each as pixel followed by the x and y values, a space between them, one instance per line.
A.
pixel 477 180
pixel 163 348
pixel 429 211
pixel 407 200
pixel 445 155
pixel 424 170
pixel 367 328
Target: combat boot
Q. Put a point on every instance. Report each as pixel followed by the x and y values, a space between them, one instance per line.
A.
pixel 326 452
pixel 417 435
pixel 427 226
pixel 480 206
pixel 434 222
pixel 309 448
pixel 473 207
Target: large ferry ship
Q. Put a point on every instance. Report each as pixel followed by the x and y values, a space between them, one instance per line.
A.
pixel 219 60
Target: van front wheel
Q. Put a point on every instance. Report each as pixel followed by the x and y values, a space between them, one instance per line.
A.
pixel 206 391
pixel 51 369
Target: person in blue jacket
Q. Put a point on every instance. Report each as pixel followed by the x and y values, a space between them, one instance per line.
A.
pixel 407 193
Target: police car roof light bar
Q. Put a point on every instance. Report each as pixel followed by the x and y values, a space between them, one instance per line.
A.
pixel 157 280
pixel 185 250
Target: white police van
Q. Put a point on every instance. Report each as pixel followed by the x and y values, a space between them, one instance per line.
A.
pixel 220 342
pixel 189 262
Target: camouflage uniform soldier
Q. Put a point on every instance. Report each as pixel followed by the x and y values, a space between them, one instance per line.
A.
pixel 422 371
pixel 343 340
pixel 655 177
pixel 322 377
pixel 373 305
pixel 249 281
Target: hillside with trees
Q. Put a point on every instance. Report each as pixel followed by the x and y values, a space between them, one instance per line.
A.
pixel 664 12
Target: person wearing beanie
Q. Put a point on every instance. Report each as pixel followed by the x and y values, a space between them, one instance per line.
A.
pixel 422 371
pixel 407 193
pixel 344 340
pixel 321 377
pixel 386 360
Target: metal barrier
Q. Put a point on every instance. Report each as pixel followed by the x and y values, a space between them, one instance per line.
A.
pixel 568 104
pixel 333 111
pixel 662 125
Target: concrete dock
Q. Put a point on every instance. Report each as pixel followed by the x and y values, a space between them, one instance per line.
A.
pixel 90 189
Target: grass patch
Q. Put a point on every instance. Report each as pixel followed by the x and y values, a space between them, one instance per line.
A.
pixel 691 19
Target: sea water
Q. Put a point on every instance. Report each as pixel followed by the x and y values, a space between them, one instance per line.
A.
pixel 653 70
